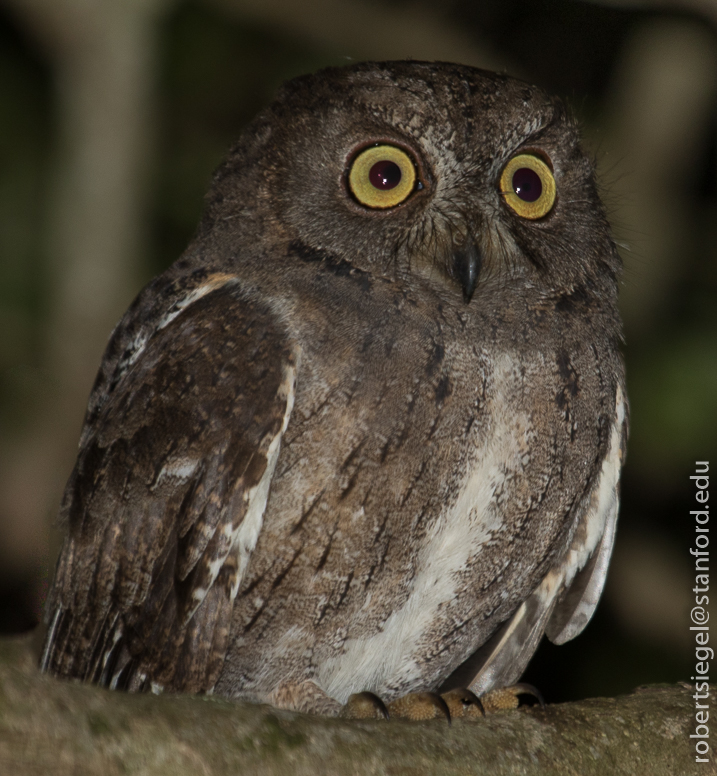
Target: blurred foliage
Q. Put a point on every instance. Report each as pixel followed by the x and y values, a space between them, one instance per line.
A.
pixel 215 73
pixel 216 76
pixel 25 149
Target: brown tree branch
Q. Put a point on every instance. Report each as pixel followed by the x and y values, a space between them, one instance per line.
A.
pixel 48 726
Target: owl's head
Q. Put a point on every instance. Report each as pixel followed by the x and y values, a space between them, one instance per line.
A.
pixel 433 171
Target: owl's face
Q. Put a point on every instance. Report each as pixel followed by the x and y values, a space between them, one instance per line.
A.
pixel 459 178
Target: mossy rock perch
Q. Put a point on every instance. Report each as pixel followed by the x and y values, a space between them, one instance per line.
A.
pixel 59 728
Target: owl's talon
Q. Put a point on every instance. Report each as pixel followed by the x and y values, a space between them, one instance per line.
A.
pixel 522 688
pixel 463 704
pixel 364 705
pixel 419 706
pixel 506 698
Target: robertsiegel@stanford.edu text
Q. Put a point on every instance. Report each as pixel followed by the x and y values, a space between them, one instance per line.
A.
pixel 700 615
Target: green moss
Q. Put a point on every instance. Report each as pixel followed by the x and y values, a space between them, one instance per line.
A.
pixel 274 737
pixel 98 724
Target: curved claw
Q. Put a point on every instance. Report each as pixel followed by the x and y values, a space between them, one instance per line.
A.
pixel 522 688
pixel 420 706
pixel 364 705
pixel 505 698
pixel 463 703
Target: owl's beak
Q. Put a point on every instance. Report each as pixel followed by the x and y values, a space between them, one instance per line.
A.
pixel 467 263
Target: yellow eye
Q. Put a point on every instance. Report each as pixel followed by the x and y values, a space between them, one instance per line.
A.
pixel 382 176
pixel 528 186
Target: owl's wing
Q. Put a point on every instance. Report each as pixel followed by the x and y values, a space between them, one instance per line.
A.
pixel 166 500
pixel 562 605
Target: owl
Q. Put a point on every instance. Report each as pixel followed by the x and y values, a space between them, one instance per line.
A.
pixel 365 435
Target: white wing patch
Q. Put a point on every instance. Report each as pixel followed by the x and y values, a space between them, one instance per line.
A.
pixel 177 468
pixel 49 639
pixel 139 343
pixel 506 654
pixel 564 602
pixel 245 536
pixel 584 569
pixel 236 534
pixel 457 536
pixel 245 533
pixel 214 281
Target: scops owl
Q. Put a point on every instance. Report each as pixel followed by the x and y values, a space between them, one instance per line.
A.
pixel 366 433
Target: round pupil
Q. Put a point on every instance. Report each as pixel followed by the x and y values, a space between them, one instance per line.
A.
pixel 385 175
pixel 527 184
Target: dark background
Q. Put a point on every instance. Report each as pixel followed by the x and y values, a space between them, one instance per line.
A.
pixel 112 118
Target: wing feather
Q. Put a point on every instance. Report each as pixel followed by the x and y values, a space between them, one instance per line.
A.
pixel 564 602
pixel 171 463
pixel 504 657
pixel 584 570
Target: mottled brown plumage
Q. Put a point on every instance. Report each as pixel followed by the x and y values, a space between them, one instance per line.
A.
pixel 337 448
